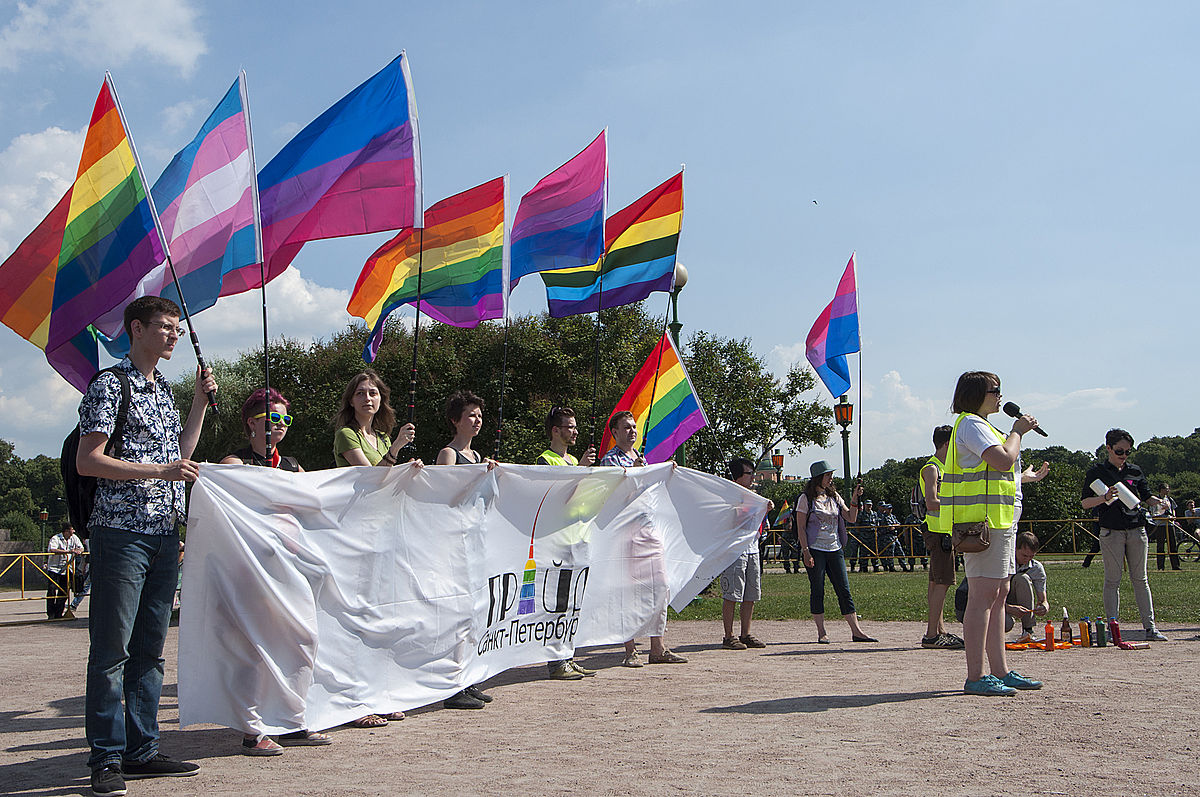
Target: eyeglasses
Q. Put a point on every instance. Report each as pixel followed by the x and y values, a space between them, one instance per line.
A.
pixel 995 390
pixel 276 418
pixel 1122 452
pixel 168 327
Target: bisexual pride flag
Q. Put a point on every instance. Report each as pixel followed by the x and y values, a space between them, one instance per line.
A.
pixel 355 169
pixel 560 222
pixel 835 334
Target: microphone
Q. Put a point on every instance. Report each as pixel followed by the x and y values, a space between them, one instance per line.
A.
pixel 1013 411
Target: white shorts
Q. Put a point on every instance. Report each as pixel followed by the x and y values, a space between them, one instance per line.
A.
pixel 998 561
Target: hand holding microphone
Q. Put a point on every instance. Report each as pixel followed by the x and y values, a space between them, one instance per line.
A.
pixel 1013 411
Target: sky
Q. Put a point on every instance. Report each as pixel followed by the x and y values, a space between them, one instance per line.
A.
pixel 1018 179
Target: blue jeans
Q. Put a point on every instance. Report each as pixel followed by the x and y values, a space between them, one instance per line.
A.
pixel 834 564
pixel 133 585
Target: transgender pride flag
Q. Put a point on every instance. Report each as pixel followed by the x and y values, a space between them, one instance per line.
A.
pixel 205 199
pixel 355 169
pixel 560 222
pixel 835 334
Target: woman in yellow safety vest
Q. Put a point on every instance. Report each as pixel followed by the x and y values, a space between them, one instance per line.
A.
pixel 982 483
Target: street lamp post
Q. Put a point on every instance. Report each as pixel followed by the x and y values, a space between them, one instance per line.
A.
pixel 843 413
pixel 777 463
pixel 43 516
pixel 681 278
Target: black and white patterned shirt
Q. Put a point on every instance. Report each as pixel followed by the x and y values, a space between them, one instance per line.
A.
pixel 152 428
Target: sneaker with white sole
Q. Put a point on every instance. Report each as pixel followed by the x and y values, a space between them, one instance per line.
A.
pixel 107 781
pixel 1018 681
pixel 1154 635
pixel 159 767
pixel 988 686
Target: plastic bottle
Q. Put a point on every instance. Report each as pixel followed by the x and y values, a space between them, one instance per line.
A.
pixel 1049 635
pixel 1065 634
pixel 1085 633
pixel 1101 635
pixel 1114 631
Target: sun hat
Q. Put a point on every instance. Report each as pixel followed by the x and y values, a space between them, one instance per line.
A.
pixel 820 468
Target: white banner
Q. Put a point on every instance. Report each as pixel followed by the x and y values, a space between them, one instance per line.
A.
pixel 311 599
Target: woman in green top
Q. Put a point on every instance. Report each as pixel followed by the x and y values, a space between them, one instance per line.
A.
pixel 365 422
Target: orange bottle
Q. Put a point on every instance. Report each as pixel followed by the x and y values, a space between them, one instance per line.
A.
pixel 1049 635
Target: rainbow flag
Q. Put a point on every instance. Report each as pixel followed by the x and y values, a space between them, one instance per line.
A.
pixel 89 253
pixel 560 222
pixel 663 403
pixel 463 261
pixel 205 199
pixel 355 169
pixel 835 334
pixel 640 242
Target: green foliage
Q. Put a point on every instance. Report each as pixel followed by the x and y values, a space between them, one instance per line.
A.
pixel 18 500
pixel 749 410
pixel 901 596
pixel 549 363
pixel 21 526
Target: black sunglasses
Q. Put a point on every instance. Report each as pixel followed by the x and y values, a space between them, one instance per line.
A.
pixel 995 390
pixel 1122 452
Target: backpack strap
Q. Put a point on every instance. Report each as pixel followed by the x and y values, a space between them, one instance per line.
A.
pixel 116 442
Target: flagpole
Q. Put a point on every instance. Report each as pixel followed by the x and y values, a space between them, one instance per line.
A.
pixel 268 427
pixel 596 360
pixel 412 379
pixel 857 296
pixel 505 273
pixel 212 396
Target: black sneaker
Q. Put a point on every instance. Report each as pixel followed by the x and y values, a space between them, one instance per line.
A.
pixel 108 781
pixel 159 767
pixel 478 694
pixel 463 700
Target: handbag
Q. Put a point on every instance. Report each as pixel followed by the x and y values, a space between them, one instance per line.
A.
pixel 974 537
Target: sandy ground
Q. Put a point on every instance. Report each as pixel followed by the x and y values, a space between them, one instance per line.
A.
pixel 839 719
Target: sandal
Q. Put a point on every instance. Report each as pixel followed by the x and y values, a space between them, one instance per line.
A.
pixel 260 746
pixel 304 738
pixel 369 721
pixel 822 640
pixel 667 657
pixel 395 716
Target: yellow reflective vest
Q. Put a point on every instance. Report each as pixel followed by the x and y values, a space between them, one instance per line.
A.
pixel 933 520
pixel 969 495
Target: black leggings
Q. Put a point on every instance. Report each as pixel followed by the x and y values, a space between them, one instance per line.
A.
pixel 833 563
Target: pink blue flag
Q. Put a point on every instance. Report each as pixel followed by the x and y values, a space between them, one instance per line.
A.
pixel 356 169
pixel 560 222
pixel 835 334
pixel 205 200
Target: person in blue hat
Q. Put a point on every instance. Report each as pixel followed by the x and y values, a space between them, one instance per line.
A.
pixel 821 518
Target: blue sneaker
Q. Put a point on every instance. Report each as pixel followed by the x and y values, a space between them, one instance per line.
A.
pixel 1017 681
pixel 989 686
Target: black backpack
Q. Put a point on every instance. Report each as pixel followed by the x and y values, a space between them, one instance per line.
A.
pixel 81 490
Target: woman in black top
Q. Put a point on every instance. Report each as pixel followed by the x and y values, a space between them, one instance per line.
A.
pixel 256 414
pixel 464 412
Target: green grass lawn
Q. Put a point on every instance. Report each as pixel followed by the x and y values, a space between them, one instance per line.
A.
pixel 901 596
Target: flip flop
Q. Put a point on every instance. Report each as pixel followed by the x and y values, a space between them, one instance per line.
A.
pixel 369 721
pixel 304 738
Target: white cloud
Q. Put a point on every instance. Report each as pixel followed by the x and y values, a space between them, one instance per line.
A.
pixel 178 116
pixel 103 32
pixel 36 169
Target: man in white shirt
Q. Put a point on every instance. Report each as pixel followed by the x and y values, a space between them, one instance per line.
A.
pixel 63 548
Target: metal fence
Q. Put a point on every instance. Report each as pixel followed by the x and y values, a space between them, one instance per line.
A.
pixel 33 579
pixel 1065 537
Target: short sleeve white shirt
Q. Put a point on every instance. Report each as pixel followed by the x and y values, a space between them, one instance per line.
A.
pixel 974 436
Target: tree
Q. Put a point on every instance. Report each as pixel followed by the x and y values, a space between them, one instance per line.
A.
pixel 749 410
pixel 20 526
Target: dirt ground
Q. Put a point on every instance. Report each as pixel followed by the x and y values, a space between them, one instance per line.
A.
pixel 839 719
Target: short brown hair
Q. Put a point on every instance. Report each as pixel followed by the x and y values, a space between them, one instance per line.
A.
pixel 144 308
pixel 458 402
pixel 556 417
pixel 942 435
pixel 1027 539
pixel 617 417
pixel 971 390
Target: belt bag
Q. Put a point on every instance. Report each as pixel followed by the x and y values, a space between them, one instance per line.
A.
pixel 971 537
